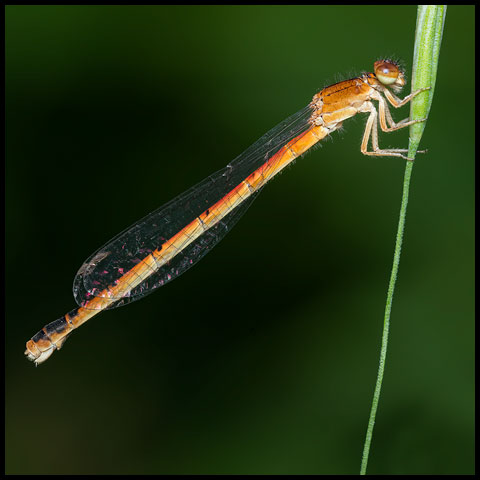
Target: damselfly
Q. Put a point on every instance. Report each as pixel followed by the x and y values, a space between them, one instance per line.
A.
pixel 167 242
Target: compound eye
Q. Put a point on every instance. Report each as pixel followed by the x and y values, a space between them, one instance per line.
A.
pixel 386 72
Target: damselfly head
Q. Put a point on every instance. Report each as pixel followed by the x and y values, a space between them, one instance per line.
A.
pixel 389 73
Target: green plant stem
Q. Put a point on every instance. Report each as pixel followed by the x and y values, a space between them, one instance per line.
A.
pixel 388 309
pixel 428 36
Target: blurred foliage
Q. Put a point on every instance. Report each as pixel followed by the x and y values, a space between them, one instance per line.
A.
pixel 262 359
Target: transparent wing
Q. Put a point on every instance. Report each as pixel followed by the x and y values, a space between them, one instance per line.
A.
pixel 109 264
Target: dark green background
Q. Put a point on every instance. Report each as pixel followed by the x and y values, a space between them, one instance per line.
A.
pixel 261 359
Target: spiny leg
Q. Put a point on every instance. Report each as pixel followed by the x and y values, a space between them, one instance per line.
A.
pixel 398 102
pixel 386 117
pixel 371 130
